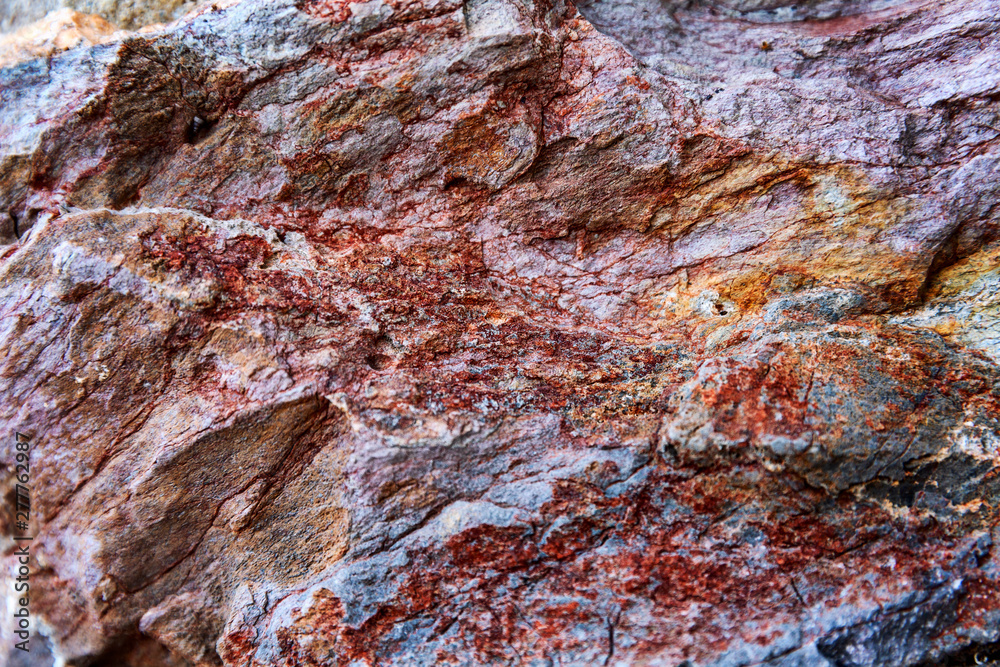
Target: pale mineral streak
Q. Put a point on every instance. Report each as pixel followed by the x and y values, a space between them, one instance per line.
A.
pixel 430 332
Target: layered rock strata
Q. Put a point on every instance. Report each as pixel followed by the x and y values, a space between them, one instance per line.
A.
pixel 429 332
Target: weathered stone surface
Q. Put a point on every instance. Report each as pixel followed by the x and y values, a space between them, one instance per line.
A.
pixel 507 332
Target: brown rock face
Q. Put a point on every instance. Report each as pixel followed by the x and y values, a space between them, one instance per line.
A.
pixel 433 332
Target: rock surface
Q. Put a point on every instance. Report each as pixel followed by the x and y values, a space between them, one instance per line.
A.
pixel 429 332
pixel 128 14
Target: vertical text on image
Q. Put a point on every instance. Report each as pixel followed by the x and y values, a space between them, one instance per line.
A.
pixel 22 517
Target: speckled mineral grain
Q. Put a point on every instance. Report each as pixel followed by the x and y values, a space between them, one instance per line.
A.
pixel 430 332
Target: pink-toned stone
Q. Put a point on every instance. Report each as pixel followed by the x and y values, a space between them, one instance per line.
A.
pixel 508 332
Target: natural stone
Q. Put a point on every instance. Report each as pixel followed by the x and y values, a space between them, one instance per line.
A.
pixel 433 332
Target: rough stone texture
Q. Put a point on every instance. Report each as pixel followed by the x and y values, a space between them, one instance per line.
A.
pixel 429 332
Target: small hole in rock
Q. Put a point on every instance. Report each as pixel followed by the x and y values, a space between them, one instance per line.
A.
pixel 456 182
pixel 198 129
pixel 377 361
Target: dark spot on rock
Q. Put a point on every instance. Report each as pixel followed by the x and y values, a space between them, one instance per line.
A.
pixel 377 361
pixel 198 129
pixel 669 451
pixel 12 228
pixel 456 183
pixel 984 655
